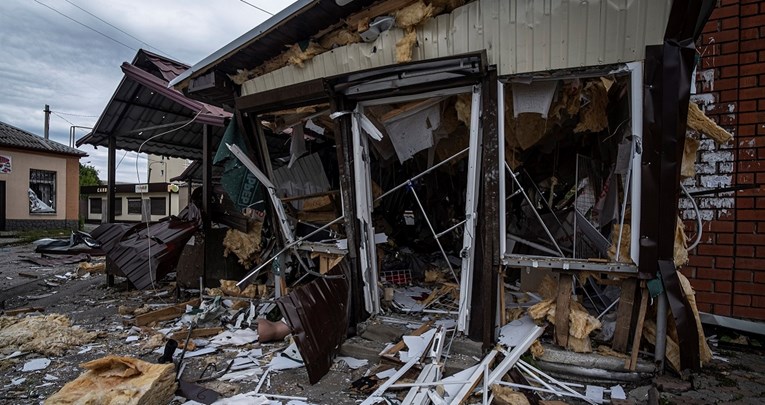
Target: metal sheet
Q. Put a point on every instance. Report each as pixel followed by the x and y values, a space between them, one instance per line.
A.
pixel 144 253
pixel 317 313
pixel 668 75
pixel 518 36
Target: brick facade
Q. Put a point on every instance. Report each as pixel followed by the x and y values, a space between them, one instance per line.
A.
pixel 727 269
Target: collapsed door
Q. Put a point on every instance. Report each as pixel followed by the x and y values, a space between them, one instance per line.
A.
pixel 415 172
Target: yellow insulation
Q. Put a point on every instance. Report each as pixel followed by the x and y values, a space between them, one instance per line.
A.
pixel 698 121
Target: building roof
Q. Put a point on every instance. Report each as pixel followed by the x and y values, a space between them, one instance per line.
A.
pixel 297 22
pixel 143 107
pixel 13 137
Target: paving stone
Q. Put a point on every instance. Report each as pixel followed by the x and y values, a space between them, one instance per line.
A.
pixel 674 385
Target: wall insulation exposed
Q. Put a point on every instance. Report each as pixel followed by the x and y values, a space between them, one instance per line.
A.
pixel 540 35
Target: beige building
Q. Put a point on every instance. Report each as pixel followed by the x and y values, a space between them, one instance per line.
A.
pixel 136 202
pixel 39 181
pixel 160 169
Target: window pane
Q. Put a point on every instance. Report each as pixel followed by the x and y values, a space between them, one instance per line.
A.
pixel 95 206
pixel 158 206
pixel 42 191
pixel 134 206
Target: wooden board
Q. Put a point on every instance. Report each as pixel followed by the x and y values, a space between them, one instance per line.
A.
pixel 562 304
pixel 624 315
pixel 164 314
pixel 180 336
pixel 360 20
pixel 632 362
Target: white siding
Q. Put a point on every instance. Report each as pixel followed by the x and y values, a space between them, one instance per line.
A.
pixel 519 36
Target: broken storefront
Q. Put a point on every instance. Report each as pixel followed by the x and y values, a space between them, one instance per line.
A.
pixel 396 162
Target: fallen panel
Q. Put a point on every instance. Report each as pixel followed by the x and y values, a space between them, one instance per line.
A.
pixel 317 313
pixel 128 250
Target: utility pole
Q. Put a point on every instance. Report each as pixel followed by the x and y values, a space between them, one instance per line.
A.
pixel 47 120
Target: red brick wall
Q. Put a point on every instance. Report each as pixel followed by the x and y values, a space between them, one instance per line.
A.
pixel 727 269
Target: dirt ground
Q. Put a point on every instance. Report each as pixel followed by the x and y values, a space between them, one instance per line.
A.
pixel 736 376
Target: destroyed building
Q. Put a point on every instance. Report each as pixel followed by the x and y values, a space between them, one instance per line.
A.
pixel 515 157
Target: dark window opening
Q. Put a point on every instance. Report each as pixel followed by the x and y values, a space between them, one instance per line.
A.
pixel 134 206
pixel 158 206
pixel 42 191
pixel 95 206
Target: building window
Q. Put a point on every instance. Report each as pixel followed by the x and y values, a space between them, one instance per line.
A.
pixel 158 206
pixel 42 191
pixel 95 206
pixel 134 206
pixel 117 206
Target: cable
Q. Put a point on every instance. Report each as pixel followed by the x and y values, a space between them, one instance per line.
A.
pixel 85 25
pixel 75 115
pixel 70 122
pixel 117 28
pixel 699 224
pixel 138 177
pixel 254 6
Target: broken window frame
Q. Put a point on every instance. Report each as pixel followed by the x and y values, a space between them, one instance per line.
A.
pixel 364 199
pixel 635 72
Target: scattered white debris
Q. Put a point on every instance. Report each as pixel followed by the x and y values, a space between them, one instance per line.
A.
pixel 50 377
pixel 237 337
pixel 36 364
pixel 353 363
pixel 18 381
pixel 131 339
pixel 386 374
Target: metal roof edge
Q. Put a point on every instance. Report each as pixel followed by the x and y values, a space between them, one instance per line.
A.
pixel 233 46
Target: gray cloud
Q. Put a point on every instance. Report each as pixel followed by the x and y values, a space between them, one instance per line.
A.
pixel 46 58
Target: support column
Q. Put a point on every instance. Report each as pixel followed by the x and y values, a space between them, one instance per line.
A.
pixel 345 157
pixel 206 192
pixel 111 180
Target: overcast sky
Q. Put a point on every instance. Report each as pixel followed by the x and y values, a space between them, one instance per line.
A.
pixel 46 58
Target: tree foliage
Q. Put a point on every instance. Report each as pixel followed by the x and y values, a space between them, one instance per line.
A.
pixel 89 176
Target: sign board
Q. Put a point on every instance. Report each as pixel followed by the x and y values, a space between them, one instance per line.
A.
pixel 141 188
pixel 5 164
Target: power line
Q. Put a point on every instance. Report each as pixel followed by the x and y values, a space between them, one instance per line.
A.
pixel 70 122
pixel 75 115
pixel 117 28
pixel 254 6
pixel 86 26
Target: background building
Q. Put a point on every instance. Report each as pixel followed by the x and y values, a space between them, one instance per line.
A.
pixel 136 202
pixel 39 181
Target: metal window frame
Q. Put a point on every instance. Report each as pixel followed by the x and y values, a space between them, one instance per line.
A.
pixel 635 72
pixel 365 201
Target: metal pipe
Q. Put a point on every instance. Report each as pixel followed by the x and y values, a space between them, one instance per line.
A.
pixel 609 308
pixel 528 200
pixel 661 330
pixel 451 228
pixel 433 231
pixel 426 171
pixel 284 249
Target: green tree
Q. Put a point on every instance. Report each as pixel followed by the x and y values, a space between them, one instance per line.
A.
pixel 88 176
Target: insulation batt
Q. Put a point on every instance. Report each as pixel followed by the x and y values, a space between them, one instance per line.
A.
pixel 243 245
pixel 405 46
pixel 506 396
pixel 413 14
pixel 688 167
pixel 698 121
pixel 50 334
pixel 593 117
pixel 115 380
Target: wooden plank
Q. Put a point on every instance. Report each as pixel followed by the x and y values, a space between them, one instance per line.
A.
pixel 360 20
pixel 24 310
pixel 562 303
pixel 413 106
pixel 164 314
pixel 632 362
pixel 393 350
pixel 624 315
pixel 180 336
